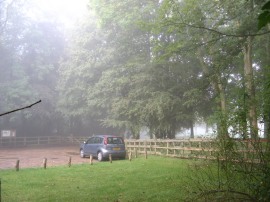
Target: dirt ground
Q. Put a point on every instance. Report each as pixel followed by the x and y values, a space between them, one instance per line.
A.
pixel 33 156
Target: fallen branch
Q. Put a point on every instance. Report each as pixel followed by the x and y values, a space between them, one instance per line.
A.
pixel 29 106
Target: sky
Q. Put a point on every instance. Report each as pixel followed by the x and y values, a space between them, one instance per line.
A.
pixel 65 11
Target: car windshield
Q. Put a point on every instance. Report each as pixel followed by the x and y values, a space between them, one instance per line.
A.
pixel 115 140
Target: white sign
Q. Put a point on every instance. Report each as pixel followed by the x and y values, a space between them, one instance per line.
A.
pixel 8 133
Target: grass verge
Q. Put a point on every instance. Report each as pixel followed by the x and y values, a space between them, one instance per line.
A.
pixel 152 179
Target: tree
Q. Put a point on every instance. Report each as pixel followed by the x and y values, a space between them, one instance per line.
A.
pixel 207 31
pixel 30 50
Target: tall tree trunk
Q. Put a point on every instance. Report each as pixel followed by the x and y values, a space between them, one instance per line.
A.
pixel 191 129
pixel 250 88
pixel 223 126
pixel 266 93
pixel 219 89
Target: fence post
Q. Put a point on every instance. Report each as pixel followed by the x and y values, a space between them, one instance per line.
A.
pixel 91 160
pixel 45 163
pixel 174 148
pixel 155 147
pixel 210 146
pixel 145 149
pixel 110 157
pixel 129 155
pixel 17 166
pixel 183 150
pixel 69 161
pixel 167 148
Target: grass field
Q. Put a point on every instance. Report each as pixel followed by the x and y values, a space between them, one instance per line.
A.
pixel 152 179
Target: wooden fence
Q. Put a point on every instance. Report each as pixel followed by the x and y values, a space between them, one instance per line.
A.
pixel 181 148
pixel 195 148
pixel 40 140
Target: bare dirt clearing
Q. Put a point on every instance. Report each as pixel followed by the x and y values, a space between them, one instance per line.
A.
pixel 33 156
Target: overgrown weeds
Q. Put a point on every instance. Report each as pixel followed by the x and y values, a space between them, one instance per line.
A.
pixel 240 172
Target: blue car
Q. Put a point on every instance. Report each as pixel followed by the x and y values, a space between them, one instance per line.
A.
pixel 101 146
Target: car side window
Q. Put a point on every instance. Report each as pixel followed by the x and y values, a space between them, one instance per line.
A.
pixel 97 140
pixel 90 140
pixel 110 140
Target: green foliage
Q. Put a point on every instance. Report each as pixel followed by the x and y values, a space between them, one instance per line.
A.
pixel 264 17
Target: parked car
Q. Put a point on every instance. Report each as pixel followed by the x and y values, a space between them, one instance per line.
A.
pixel 101 146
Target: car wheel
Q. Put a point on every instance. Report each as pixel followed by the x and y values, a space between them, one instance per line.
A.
pixel 100 156
pixel 82 153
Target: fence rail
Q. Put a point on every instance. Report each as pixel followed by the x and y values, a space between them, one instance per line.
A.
pixel 40 140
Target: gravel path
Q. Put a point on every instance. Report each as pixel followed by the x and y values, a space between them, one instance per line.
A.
pixel 33 156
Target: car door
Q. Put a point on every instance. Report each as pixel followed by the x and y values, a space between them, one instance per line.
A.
pixel 96 145
pixel 88 147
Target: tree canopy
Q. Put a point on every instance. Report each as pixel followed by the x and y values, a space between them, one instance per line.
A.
pixel 161 65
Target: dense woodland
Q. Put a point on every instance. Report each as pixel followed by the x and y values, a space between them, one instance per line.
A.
pixel 161 65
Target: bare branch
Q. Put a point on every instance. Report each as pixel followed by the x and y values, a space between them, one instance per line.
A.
pixel 224 34
pixel 183 23
pixel 29 106
pixel 169 22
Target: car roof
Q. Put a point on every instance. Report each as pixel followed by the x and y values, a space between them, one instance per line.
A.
pixel 106 136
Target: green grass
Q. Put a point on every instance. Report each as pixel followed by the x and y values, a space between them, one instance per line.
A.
pixel 152 179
